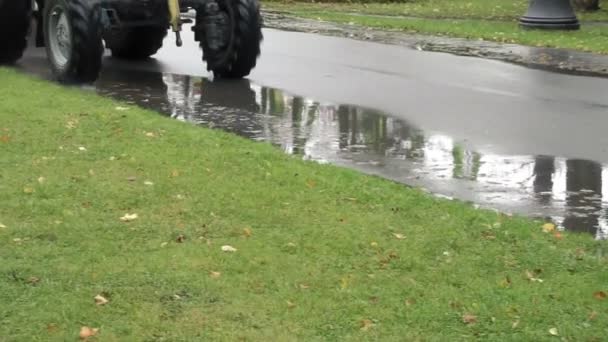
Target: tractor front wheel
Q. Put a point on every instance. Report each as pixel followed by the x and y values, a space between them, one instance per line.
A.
pixel 230 35
pixel 73 39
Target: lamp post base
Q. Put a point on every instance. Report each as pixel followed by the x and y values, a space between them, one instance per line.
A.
pixel 550 15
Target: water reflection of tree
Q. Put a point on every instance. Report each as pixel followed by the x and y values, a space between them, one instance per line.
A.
pixel 583 180
pixel 544 168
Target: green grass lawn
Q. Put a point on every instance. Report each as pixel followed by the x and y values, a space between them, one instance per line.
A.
pixel 492 20
pixel 322 253
pixel 439 9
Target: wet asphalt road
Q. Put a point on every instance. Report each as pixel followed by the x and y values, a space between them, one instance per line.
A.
pixel 497 134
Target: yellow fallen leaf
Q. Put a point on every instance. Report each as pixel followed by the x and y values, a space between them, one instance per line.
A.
pixel 2 226
pixel 469 319
pixel 150 134
pixel 374 244
pixel 399 236
pixel 148 183
pixel 532 277
pixel 86 332
pixel 101 300
pixel 129 217
pixel 290 304
pixel 174 173
pixel 366 324
pixel 41 180
pixel 553 331
pixel 548 227
pixel 227 248
pixel 247 232
pixel 28 190
pixel 214 274
pixel 82 148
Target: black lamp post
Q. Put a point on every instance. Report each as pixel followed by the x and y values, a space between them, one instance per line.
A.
pixel 550 14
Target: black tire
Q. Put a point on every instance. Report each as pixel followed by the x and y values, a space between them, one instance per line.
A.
pixel 15 16
pixel 239 53
pixel 136 43
pixel 81 62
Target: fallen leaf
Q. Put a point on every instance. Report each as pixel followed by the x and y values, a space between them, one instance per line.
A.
pixel 374 244
pixel 553 331
pixel 548 227
pixel 592 315
pixel 41 180
pixel 86 332
pixel 290 304
pixel 131 178
pixel 399 236
pixel 214 274
pixel 227 248
pixel 164 244
pixel 101 300
pixel 247 232
pixel 121 108
pixel 180 238
pixel 148 183
pixel 82 148
pixel 51 327
pixel 150 134
pixel 311 183
pixel 410 302
pixel 366 324
pixel 33 280
pixel 532 277
pixel 5 138
pixel 291 244
pixel 515 324
pixel 129 217
pixel 174 173
pixel 17 240
pixel 28 190
pixel 558 235
pixel 2 226
pixel 469 319
pixel 506 282
pixel 599 295
pixel 304 286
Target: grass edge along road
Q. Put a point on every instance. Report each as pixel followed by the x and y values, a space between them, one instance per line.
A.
pixel 486 26
pixel 187 233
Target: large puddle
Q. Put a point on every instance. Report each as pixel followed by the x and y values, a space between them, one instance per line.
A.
pixel 569 192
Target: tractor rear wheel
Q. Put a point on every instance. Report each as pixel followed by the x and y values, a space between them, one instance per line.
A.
pixel 15 17
pixel 73 39
pixel 230 35
pixel 136 43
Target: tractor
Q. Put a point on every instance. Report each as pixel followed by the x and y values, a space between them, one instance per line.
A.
pixel 76 33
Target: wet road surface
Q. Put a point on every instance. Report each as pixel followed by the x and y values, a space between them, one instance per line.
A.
pixel 505 137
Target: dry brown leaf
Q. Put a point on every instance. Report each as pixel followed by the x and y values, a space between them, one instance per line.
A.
pixel 410 302
pixel 469 319
pixel 86 332
pixel 290 304
pixel 5 138
pixel 311 183
pixel 150 134
pixel 101 300
pixel 558 235
pixel 227 248
pixel 247 232
pixel 553 331
pixel 28 190
pixel 214 274
pixel 366 324
pixel 548 227
pixel 180 238
pixel 599 295
pixel 304 286
pixel 129 217
pixel 33 280
pixel 174 173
